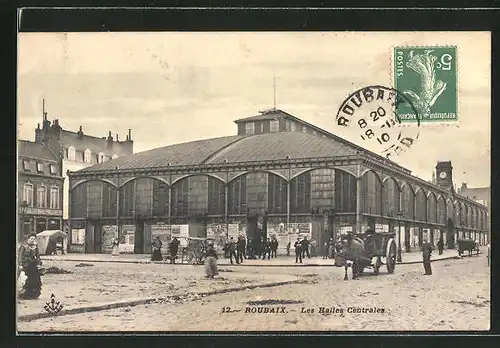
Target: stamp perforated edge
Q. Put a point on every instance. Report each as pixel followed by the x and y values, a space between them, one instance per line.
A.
pixel 427 124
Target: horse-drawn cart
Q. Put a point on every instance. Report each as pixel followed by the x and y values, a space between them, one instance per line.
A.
pixel 467 244
pixel 194 252
pixel 367 250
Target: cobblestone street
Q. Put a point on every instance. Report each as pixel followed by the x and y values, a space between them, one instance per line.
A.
pixel 455 297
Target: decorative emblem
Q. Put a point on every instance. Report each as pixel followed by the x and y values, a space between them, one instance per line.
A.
pixel 442 175
pixel 53 307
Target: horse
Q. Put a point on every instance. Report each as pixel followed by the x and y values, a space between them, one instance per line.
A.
pixel 348 255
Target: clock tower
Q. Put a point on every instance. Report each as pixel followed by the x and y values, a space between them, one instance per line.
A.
pixel 444 178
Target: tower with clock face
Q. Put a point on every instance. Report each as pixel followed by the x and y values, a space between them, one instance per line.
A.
pixel 444 172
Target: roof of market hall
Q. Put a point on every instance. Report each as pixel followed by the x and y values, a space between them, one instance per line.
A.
pixel 242 148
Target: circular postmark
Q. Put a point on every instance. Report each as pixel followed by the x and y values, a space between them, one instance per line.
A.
pixel 373 111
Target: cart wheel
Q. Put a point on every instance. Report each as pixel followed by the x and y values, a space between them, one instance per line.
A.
pixel 391 256
pixel 376 266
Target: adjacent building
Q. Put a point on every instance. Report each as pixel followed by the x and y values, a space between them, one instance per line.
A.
pixel 481 195
pixel 78 150
pixel 40 189
pixel 278 176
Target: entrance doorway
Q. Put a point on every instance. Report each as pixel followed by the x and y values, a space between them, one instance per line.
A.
pixel 450 238
pixel 41 225
pixel 93 238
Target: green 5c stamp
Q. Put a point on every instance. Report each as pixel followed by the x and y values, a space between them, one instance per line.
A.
pixel 428 77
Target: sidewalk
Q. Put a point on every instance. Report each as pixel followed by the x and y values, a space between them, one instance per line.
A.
pixel 280 261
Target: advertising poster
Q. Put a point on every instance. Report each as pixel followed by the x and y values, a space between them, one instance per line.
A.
pixel 161 230
pixel 218 233
pixel 181 232
pixel 127 239
pixel 109 232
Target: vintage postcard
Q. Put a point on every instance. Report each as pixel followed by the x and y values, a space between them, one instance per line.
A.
pixel 253 181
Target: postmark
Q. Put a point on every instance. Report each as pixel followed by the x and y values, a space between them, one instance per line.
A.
pixel 372 110
pixel 427 75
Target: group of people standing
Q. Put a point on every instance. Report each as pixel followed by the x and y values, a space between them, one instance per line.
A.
pixel 173 248
pixel 242 249
pixel 301 249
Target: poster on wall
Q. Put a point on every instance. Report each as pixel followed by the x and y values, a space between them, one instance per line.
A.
pixel 127 239
pixel 181 232
pixel 161 230
pixel 304 229
pixel 233 230
pixel 218 233
pixel 109 232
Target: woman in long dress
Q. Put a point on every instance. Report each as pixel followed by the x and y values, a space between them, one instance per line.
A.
pixel 156 244
pixel 211 261
pixel 29 260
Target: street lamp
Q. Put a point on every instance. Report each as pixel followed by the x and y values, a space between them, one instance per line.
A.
pixel 23 209
pixel 399 214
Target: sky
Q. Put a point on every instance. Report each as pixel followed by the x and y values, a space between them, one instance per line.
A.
pixel 173 87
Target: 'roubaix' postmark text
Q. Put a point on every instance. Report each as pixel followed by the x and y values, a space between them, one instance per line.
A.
pixel 372 110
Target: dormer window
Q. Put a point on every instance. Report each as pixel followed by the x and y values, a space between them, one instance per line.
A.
pixel 249 128
pixel 39 167
pixel 304 129
pixel 53 169
pixel 26 165
pixel 87 156
pixel 292 127
pixel 274 126
pixel 114 156
pixel 71 153
pixel 102 157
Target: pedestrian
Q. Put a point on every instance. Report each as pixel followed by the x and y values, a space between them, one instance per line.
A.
pixel 232 251
pixel 298 250
pixel 288 248
pixel 240 248
pixel 156 245
pixel 29 261
pixel 325 251
pixel 331 249
pixel 116 247
pixel 173 248
pixel 266 246
pixel 211 261
pixel 274 247
pixel 313 246
pixel 249 252
pixel 305 248
pixel 440 245
pixel 426 256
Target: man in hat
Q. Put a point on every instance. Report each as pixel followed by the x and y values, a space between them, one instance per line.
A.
pixel 426 256
pixel 298 250
pixel 232 251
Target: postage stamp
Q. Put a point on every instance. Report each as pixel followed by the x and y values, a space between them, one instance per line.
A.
pixel 428 76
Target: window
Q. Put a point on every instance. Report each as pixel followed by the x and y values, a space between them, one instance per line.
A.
pixel 54 197
pixel 28 194
pixel 87 156
pixel 275 126
pixel 249 128
pixel 41 197
pixel 292 127
pixel 102 158
pixel 114 156
pixel 26 165
pixel 304 129
pixel 39 167
pixel 53 169
pixel 71 153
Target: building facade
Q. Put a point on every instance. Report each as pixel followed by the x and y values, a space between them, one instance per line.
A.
pixel 40 189
pixel 78 150
pixel 481 195
pixel 278 176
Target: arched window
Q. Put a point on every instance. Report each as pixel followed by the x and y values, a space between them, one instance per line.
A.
pixel 300 193
pixel 28 194
pixel 408 203
pixel 54 197
pixel 345 192
pixel 420 206
pixel 390 197
pixel 87 156
pixel 371 193
pixel 41 197
pixel 276 195
pixel 237 195
pixel 441 211
pixel 432 208
pixel 71 153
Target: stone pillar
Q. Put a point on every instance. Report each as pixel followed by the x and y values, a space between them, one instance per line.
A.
pixel 358 200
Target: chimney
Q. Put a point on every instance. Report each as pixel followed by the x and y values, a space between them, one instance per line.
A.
pixel 110 140
pixel 80 133
pixel 434 177
pixel 38 126
pixel 464 187
pixel 116 137
pixel 56 123
pixel 129 134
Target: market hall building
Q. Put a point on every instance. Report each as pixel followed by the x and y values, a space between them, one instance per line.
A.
pixel 279 175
